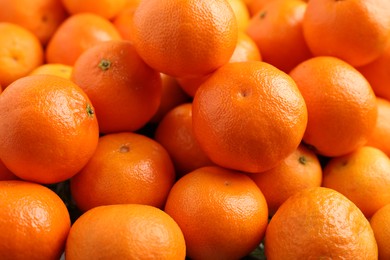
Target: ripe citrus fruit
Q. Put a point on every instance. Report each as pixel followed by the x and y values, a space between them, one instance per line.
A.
pixel 105 8
pixel 184 38
pixel 34 221
pixel 127 231
pixel 341 107
pixel 277 31
pixel 124 90
pixel 248 116
pixel 41 17
pixel 354 31
pixel 191 85
pixel 319 223
pixel 55 69
pixel 300 170
pixel 76 34
pixel 174 132
pixel 125 168
pixel 222 213
pixel 378 74
pixel 123 21
pixel 380 138
pixel 363 176
pixel 172 95
pixel 241 13
pixel 48 130
pixel 246 49
pixel 20 52
pixel 380 224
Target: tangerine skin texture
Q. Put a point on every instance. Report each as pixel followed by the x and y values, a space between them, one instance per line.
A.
pixel 381 226
pixel 20 52
pixel 363 176
pixel 76 34
pixel 380 138
pixel 184 38
pixel 126 93
pixel 319 223
pixel 378 74
pixel 222 213
pixel 48 131
pixel 125 168
pixel 249 116
pixel 341 105
pixel 125 231
pixel 41 17
pixel 355 31
pixel 34 222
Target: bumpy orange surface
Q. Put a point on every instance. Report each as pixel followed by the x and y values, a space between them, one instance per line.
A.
pixel 34 222
pixel 76 34
pixel 248 116
pixel 124 90
pixel 355 31
pixel 319 223
pixel 184 38
pixel 48 129
pixel 41 17
pixel 222 213
pixel 126 168
pixel 20 52
pixel 341 105
pixel 363 176
pixel 130 231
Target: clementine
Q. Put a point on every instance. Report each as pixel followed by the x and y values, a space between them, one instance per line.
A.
pixel 76 34
pixel 248 116
pixel 174 132
pixel 222 213
pixel 129 231
pixel 277 31
pixel 55 69
pixel 48 130
pixel 341 105
pixel 34 221
pixel 184 38
pixel 41 17
pixel 241 13
pixel 123 21
pixel 172 95
pixel 363 176
pixel 246 50
pixel 377 73
pixel 319 223
pixel 20 52
pixel 380 224
pixel 125 168
pixel 300 170
pixel 124 90
pixel 354 31
pixel 380 138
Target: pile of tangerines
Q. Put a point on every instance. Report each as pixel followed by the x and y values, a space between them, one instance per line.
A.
pixel 207 129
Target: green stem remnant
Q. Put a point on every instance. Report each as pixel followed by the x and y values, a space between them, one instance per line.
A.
pixel 302 160
pixel 104 64
pixel 89 110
